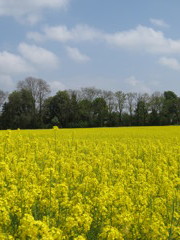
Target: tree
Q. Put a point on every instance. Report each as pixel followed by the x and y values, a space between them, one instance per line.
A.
pixel 100 111
pixel 155 108
pixel 142 109
pixel 169 110
pixel 74 113
pixel 110 100
pixel 18 111
pixel 86 113
pixel 178 110
pixel 121 99
pixel 30 107
pixel 131 103
pixel 90 93
pixel 39 90
pixel 3 96
pixel 58 108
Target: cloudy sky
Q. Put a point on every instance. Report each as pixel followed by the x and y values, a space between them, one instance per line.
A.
pixel 116 45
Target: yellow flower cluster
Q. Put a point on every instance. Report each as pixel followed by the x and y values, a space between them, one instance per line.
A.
pixel 88 184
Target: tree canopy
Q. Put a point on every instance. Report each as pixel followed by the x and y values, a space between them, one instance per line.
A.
pixel 32 106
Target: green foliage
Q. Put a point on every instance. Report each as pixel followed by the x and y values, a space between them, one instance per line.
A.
pixel 30 107
pixel 19 110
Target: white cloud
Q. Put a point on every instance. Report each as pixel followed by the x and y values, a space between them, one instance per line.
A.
pixel 136 85
pixel 13 64
pixel 132 81
pixel 159 22
pixel 39 56
pixel 30 62
pixel 29 9
pixel 6 83
pixel 62 34
pixel 33 19
pixel 144 38
pixel 170 62
pixel 59 33
pixel 140 38
pixel 76 55
pixel 56 86
pixel 37 37
pixel 86 33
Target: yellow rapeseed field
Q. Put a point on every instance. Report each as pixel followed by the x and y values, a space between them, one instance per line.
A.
pixel 108 183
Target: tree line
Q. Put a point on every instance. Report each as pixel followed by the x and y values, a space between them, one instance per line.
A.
pixel 31 106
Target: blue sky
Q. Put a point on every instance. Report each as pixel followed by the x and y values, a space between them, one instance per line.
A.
pixel 115 45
